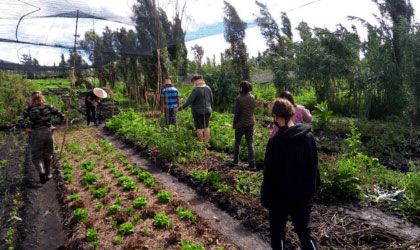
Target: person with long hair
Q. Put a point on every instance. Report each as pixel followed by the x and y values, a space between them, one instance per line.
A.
pixel 302 115
pixel 291 177
pixel 201 101
pixel 41 139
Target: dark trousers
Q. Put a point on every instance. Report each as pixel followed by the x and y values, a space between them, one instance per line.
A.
pixel 300 214
pixel 249 137
pixel 170 117
pixel 41 142
pixel 91 114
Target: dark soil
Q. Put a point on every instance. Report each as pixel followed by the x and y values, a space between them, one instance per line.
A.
pixel 40 223
pixel 333 226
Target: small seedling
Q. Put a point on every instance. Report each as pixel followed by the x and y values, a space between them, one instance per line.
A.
pixel 80 215
pixel 140 202
pixel 118 239
pixel 161 221
pixel 136 218
pixel 99 207
pixel 74 197
pixel 129 210
pixel 114 209
pixel 126 228
pixel 91 235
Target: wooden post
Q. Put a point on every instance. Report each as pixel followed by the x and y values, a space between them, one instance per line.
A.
pixel 71 85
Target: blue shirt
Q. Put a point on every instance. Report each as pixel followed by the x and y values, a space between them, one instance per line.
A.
pixel 170 95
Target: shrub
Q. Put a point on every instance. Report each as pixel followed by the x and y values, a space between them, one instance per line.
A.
pixel 140 202
pixel 91 235
pixel 164 196
pixel 80 215
pixel 126 228
pixel 89 179
pixel 185 214
pixel 114 209
pixel 341 179
pixel 161 221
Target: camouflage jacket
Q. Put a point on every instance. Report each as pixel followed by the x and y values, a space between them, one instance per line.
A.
pixel 40 116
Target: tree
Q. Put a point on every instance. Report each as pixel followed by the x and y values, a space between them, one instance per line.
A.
pixel 235 34
pixel 62 65
pixel 269 28
pixel 326 59
pixel 198 55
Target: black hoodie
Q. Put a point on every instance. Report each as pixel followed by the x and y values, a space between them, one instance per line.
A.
pixel 291 171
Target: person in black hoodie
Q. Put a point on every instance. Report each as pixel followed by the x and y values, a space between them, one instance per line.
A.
pixel 291 177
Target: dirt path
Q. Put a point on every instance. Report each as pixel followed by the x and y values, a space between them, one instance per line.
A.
pixel 42 223
pixel 231 228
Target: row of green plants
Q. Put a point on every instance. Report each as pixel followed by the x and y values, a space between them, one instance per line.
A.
pixel 179 143
pixel 355 175
pixel 93 181
pixel 13 218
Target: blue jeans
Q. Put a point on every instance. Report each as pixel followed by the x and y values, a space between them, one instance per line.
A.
pixel 249 137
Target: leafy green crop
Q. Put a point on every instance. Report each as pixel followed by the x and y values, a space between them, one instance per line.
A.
pixel 114 209
pixel 74 197
pixel 164 196
pixel 140 202
pixel 88 166
pixel 99 193
pixel 89 179
pixel 161 221
pixel 91 235
pixel 185 214
pixel 126 228
pixel 80 215
pixel 126 183
pixel 186 245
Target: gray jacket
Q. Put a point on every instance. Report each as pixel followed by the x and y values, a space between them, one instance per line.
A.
pixel 201 100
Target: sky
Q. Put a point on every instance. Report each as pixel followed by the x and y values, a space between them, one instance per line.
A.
pixel 201 17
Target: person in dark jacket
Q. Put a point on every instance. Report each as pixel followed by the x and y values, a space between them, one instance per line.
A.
pixel 92 100
pixel 201 101
pixel 291 177
pixel 41 140
pixel 243 123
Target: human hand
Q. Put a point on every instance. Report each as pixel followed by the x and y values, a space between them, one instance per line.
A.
pixel 55 128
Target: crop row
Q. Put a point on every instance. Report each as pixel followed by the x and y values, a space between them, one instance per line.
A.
pixel 350 174
pixel 122 196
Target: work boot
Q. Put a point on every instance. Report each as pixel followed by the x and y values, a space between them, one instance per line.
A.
pixel 47 166
pixel 42 178
pixel 233 164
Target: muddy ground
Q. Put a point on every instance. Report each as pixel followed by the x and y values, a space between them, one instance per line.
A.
pixel 344 225
pixel 37 223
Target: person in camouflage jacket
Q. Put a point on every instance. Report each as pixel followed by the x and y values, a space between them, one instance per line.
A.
pixel 41 140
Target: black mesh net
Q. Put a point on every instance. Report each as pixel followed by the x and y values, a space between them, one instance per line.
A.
pixel 40 26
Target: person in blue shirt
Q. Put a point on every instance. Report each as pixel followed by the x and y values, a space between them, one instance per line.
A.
pixel 169 101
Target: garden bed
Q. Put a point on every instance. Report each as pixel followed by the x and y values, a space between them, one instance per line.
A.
pixel 237 192
pixel 12 163
pixel 113 204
